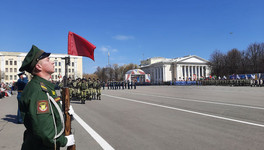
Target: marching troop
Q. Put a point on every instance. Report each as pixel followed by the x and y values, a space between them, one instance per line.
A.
pixel 84 89
pixel 90 89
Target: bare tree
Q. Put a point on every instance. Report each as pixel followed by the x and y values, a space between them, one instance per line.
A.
pixel 233 59
pixel 217 63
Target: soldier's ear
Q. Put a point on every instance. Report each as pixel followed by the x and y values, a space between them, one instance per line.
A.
pixel 38 66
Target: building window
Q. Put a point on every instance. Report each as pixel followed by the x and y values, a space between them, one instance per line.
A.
pixel 6 62
pixel 11 77
pixel 6 77
pixel 15 62
pixel 69 70
pixel 59 70
pixel 55 63
pixel 11 69
pixel 72 70
pixel 15 77
pixel 72 63
pixel 59 63
pixel 56 77
pixel 6 70
pixel 11 62
pixel 55 69
pixel 52 77
pixel 15 69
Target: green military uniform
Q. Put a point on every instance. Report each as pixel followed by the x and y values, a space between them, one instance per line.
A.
pixel 90 88
pixel 79 94
pixel 41 110
pixel 75 89
pixel 83 91
pixel 94 88
pixel 37 116
pixel 98 89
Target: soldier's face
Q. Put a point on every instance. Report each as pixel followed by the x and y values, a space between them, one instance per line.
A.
pixel 47 65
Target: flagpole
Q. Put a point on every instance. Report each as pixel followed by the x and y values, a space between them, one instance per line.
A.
pixel 66 102
pixel 77 46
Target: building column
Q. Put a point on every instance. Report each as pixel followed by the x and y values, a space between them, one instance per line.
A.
pixel 191 71
pixel 183 72
pixel 198 72
pixel 157 79
pixel 160 79
pixel 164 76
pixel 175 75
pixel 187 72
pixel 205 71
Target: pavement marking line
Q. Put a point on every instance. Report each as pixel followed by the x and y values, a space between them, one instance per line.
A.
pixel 95 135
pixel 201 101
pixel 189 111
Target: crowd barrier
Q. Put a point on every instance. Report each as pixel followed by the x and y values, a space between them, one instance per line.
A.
pixel 219 82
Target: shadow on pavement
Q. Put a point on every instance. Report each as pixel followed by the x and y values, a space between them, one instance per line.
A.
pixel 10 118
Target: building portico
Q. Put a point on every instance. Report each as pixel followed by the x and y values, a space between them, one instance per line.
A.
pixel 185 68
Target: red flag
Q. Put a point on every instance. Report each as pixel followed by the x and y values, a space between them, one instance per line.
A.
pixel 79 46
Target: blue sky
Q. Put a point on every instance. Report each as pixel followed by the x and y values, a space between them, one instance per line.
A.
pixel 132 30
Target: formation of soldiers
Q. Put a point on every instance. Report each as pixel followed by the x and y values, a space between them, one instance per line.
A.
pixel 235 82
pixel 115 85
pixel 83 89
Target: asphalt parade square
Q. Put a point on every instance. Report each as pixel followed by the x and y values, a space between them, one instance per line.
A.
pixel 158 117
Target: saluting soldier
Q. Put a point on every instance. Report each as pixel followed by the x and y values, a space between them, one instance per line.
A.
pixel 40 106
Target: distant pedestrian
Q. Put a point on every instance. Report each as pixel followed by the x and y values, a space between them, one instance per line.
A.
pixel 20 84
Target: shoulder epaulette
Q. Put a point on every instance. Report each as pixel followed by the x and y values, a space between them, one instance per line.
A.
pixel 43 87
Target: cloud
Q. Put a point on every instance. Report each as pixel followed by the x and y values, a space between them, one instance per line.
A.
pixel 114 50
pixel 105 49
pixel 123 37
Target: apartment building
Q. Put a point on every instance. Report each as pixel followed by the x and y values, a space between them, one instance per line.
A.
pixel 10 63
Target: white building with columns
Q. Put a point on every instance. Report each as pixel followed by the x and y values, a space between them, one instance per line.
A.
pixel 184 68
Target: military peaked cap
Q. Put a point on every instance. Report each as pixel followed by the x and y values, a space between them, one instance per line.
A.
pixel 21 73
pixel 32 58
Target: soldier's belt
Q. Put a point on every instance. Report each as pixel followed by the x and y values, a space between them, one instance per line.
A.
pixel 20 91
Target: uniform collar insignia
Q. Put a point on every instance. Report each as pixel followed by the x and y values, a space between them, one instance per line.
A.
pixel 43 87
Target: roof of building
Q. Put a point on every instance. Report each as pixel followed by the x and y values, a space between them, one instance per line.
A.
pixel 135 72
pixel 149 61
